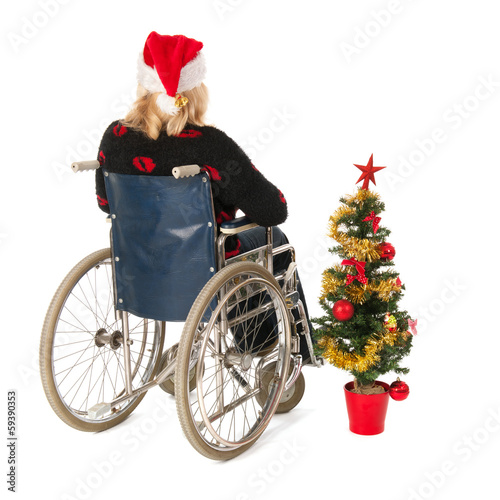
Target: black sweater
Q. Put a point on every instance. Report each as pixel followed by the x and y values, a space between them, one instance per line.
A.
pixel 236 183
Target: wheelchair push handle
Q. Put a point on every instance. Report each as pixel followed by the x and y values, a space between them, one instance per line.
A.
pixel 177 172
pixel 80 166
pixel 185 171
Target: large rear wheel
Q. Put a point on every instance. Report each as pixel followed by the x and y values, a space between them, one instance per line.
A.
pixel 81 348
pixel 238 325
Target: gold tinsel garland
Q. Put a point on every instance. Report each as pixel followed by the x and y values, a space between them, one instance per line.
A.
pixel 364 250
pixel 384 288
pixel 356 362
pixel 356 293
pixel 361 195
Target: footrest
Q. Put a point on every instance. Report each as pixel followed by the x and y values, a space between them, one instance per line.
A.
pixel 292 299
pixel 98 410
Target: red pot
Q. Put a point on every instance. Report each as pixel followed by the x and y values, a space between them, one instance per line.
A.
pixel 366 411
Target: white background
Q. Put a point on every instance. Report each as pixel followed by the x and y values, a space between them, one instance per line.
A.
pixel 319 85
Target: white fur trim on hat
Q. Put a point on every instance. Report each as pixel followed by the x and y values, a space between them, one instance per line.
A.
pixel 192 75
pixel 167 103
pixel 148 76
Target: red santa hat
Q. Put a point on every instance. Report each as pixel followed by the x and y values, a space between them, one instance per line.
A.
pixel 171 65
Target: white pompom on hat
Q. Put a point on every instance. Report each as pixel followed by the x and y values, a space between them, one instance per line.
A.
pixel 171 65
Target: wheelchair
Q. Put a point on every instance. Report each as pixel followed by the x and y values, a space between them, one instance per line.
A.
pixel 237 361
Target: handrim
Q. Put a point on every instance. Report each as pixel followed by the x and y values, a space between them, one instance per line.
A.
pixel 258 282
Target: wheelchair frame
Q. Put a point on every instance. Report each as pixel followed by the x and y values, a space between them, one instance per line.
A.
pixel 238 281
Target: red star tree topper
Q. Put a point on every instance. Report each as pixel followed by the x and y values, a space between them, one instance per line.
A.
pixel 368 173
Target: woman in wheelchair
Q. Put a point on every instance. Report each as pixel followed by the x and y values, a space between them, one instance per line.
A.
pixel 166 128
pixel 246 332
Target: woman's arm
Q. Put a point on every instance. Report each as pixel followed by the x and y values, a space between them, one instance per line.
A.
pixel 240 184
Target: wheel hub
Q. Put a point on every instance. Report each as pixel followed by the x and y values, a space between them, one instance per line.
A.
pixel 287 394
pixel 246 361
pixel 103 337
pixel 234 358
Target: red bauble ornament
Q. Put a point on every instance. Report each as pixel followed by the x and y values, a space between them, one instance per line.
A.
pixel 399 390
pixel 343 310
pixel 387 251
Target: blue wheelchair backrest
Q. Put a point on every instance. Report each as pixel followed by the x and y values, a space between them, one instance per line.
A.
pixel 163 240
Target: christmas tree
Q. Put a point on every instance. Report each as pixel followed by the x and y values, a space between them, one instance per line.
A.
pixel 363 331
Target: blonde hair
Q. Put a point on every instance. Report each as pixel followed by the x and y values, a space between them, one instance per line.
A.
pixel 146 116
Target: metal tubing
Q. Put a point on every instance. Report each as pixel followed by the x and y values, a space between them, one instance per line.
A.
pixel 285 248
pixel 318 362
pixel 163 375
pixel 233 405
pixel 297 367
pixel 126 353
pixel 221 252
pixel 269 240
pixel 219 379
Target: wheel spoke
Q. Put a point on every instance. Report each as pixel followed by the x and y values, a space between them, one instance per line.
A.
pixel 256 315
pixel 77 373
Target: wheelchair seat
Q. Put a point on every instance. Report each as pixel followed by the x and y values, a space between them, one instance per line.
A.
pixel 163 242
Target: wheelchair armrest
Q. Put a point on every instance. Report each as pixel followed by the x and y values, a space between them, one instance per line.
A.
pixel 237 225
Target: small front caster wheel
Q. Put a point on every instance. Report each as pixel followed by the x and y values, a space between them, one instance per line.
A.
pixel 290 398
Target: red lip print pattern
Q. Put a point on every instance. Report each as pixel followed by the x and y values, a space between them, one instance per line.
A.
pixel 102 158
pixel 212 172
pixel 234 252
pixel 282 198
pixel 144 164
pixel 102 202
pixel 190 133
pixel 119 130
pixel 224 216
